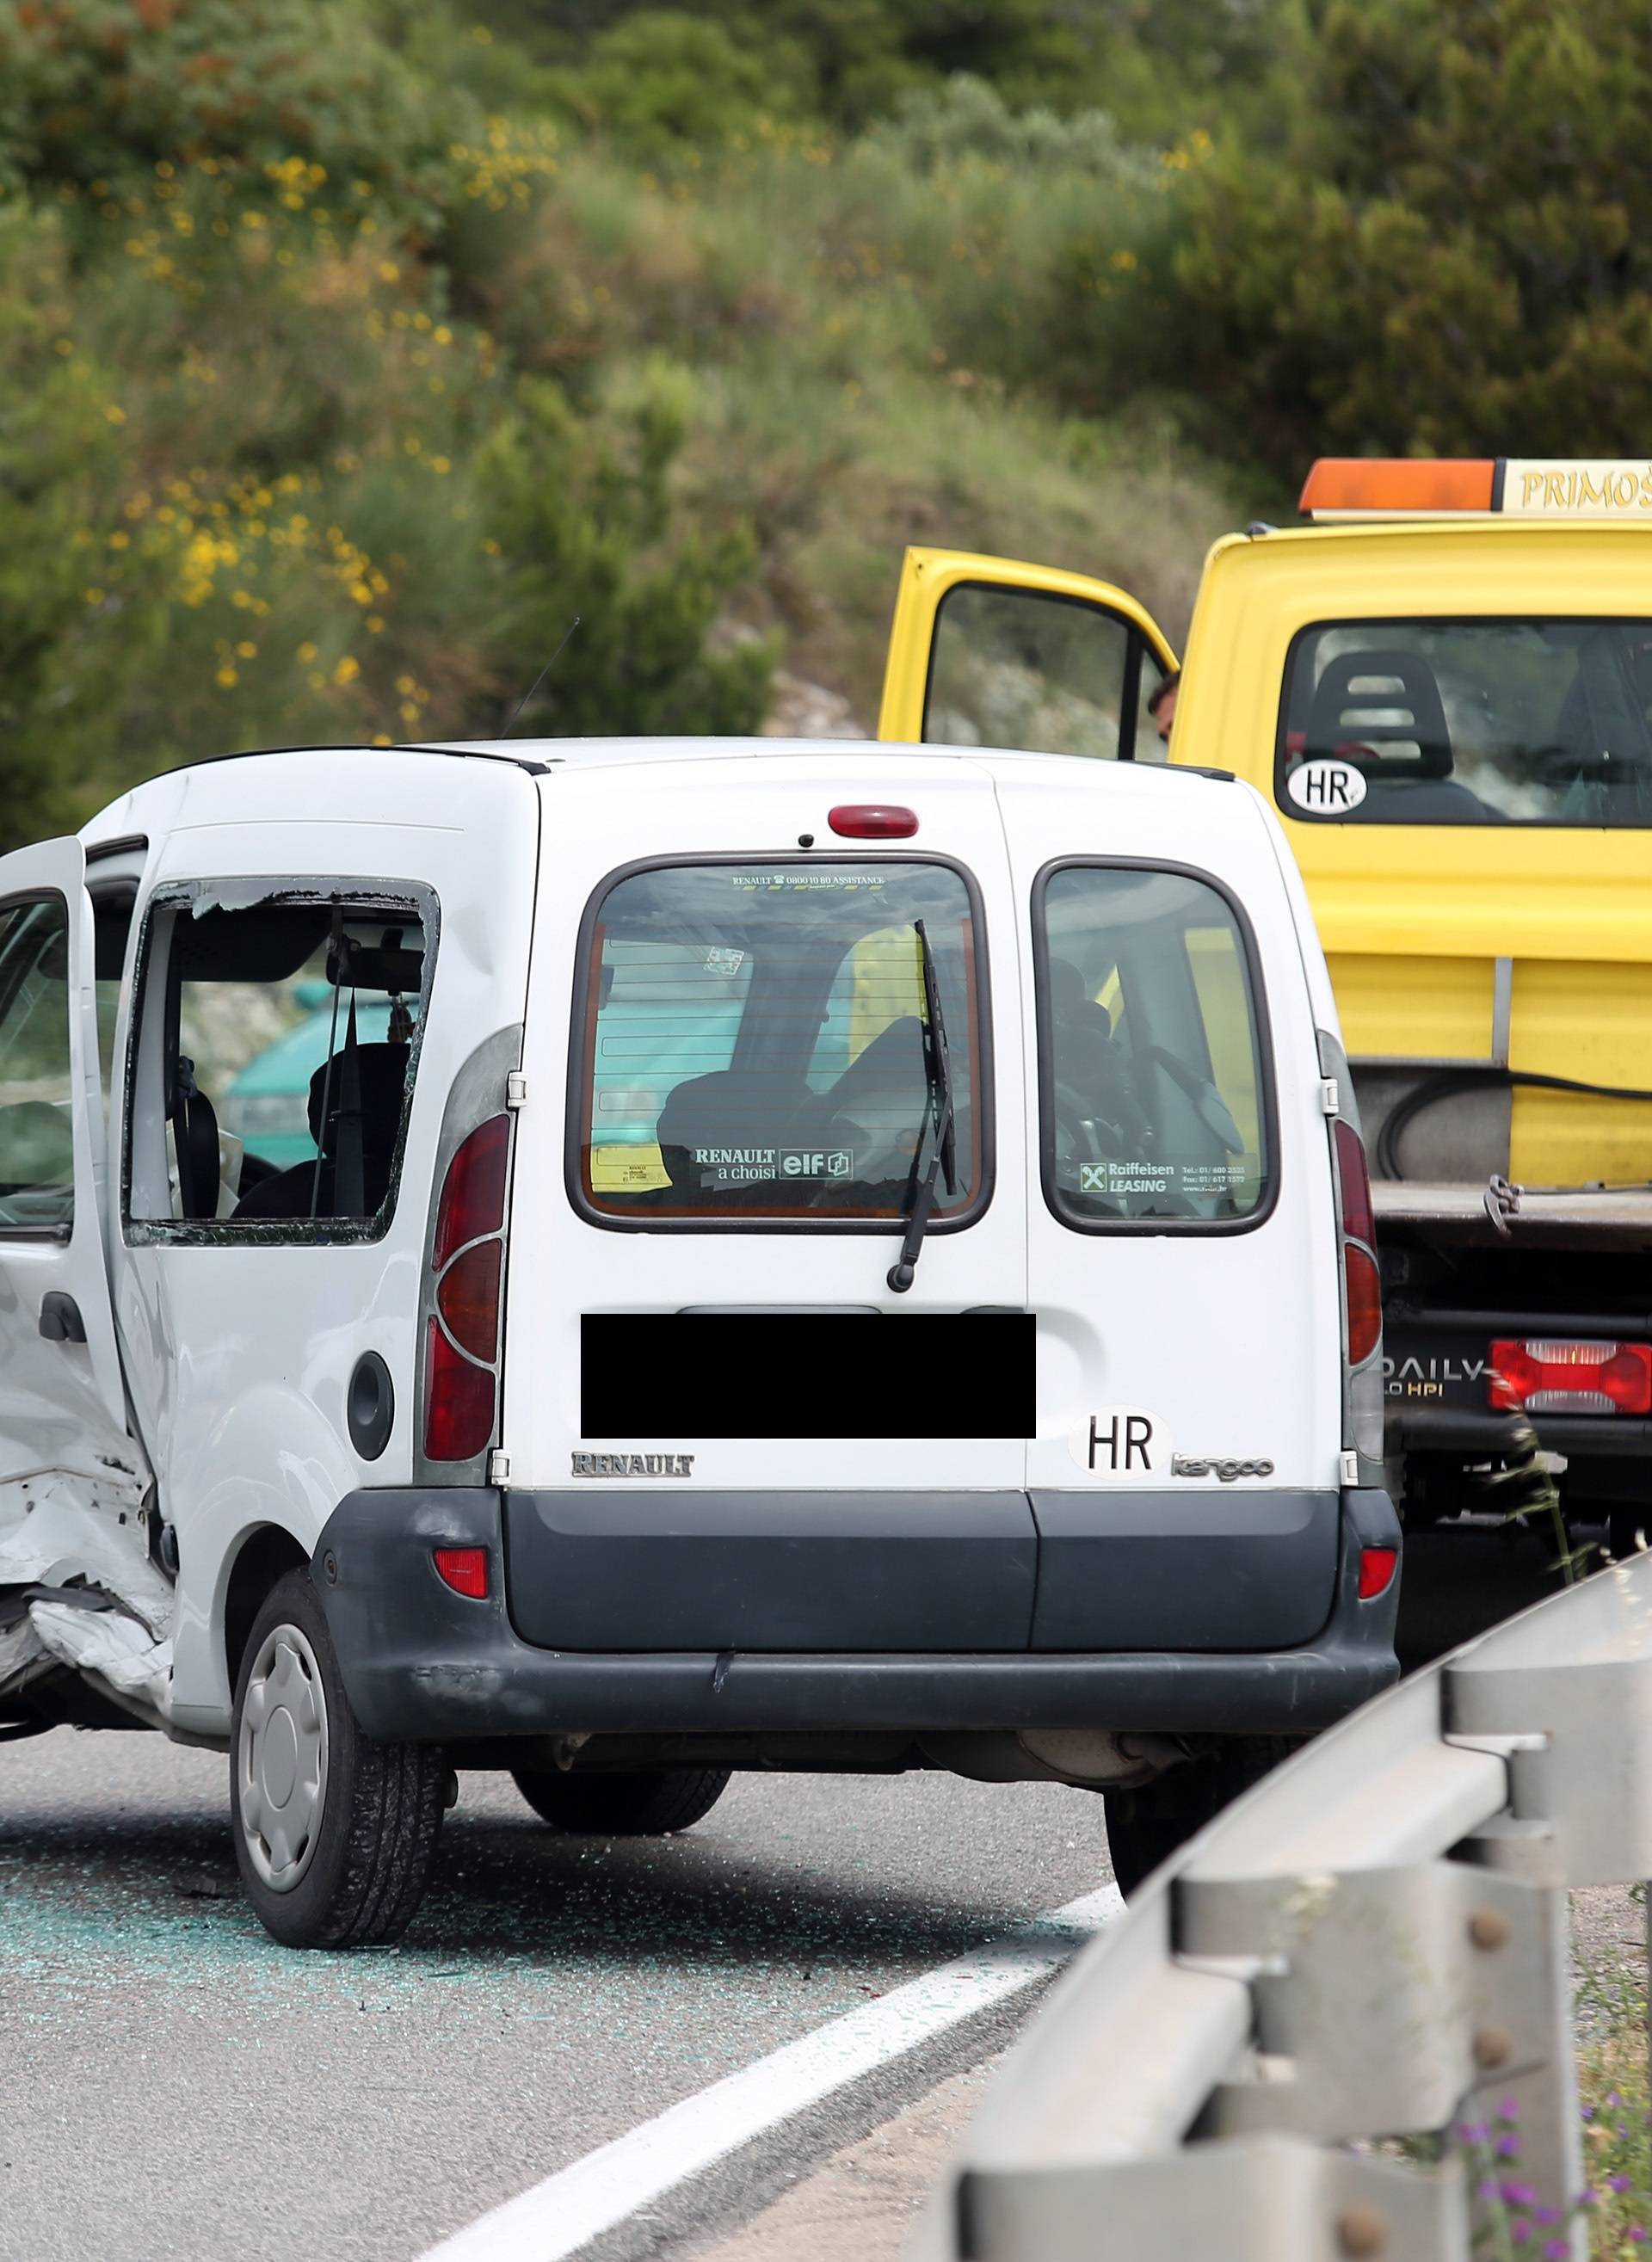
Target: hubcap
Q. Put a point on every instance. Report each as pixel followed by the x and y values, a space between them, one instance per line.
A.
pixel 281 1757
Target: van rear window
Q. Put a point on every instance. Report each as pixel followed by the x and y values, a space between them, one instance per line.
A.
pixel 754 1041
pixel 1468 721
pixel 1154 1094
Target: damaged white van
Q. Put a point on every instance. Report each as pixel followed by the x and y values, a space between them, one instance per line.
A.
pixel 490 1389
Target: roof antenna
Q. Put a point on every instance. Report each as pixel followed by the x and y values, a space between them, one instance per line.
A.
pixel 541 676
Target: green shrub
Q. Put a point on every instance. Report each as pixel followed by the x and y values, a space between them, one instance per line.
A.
pixel 1450 252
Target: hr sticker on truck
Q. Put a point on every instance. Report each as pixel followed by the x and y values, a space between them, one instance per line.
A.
pixel 1327 788
pixel 1121 1443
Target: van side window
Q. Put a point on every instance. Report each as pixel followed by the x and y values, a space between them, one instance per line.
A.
pixel 1046 673
pixel 1154 1088
pixel 277 1049
pixel 754 1041
pixel 37 1142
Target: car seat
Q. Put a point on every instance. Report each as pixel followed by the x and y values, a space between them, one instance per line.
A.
pixel 382 1072
pixel 1365 702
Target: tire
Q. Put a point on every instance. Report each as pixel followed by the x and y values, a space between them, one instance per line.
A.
pixel 336 1833
pixel 1146 1827
pixel 643 1806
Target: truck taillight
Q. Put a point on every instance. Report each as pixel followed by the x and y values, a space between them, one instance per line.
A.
pixel 1544 1374
pixel 461 1396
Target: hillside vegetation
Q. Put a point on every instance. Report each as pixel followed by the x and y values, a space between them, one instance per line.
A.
pixel 350 349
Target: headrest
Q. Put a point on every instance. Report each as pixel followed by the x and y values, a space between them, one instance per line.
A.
pixel 732 1107
pixel 383 1077
pixel 1376 700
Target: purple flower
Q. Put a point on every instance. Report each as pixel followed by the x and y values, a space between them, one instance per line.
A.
pixel 1518 2233
pixel 1510 2109
pixel 1612 2098
pixel 1622 2131
pixel 1589 2112
pixel 1518 2195
pixel 1475 2132
pixel 1588 2196
pixel 1618 2183
pixel 1558 2250
pixel 1488 2189
pixel 1636 2233
pixel 1546 2215
pixel 1509 2146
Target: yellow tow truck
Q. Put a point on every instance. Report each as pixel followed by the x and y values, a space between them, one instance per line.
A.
pixel 1442 684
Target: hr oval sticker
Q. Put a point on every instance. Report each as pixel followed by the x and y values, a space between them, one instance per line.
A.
pixel 1120 1442
pixel 1326 788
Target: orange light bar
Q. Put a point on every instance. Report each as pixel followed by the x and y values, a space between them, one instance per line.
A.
pixel 1353 483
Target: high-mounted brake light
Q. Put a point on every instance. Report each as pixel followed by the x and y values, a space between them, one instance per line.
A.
pixel 1508 486
pixel 881 822
pixel 461 1393
pixel 464 1569
pixel 1544 1374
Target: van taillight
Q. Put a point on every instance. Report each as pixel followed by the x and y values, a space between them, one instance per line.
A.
pixel 473 1191
pixel 458 1400
pixel 1362 1281
pixel 1354 1180
pixel 1365 1302
pixel 1547 1375
pixel 462 1335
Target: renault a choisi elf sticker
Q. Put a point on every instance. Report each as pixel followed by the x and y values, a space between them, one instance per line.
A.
pixel 734 1166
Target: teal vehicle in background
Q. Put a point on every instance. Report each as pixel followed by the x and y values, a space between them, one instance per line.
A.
pixel 267 1106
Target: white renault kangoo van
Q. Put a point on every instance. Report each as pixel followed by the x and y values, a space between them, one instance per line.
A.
pixel 441 1188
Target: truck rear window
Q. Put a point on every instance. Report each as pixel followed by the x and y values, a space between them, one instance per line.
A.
pixel 1154 1095
pixel 753 1040
pixel 1468 721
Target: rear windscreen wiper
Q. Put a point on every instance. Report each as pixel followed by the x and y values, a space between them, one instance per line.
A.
pixel 939 1114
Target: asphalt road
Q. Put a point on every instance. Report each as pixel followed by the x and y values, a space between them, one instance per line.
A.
pixel 173 2087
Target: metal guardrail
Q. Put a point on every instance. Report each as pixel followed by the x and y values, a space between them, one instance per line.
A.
pixel 1366 1945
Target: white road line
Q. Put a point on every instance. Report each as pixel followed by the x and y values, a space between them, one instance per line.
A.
pixel 557 2217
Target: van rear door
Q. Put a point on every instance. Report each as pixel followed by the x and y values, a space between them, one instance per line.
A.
pixel 1181 1248
pixel 63 1403
pixel 729 992
pixel 991 652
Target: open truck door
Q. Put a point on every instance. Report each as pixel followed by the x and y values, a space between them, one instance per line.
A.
pixel 63 1402
pixel 990 651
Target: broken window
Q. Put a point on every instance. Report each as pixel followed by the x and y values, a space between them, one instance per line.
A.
pixel 37 1125
pixel 276 1049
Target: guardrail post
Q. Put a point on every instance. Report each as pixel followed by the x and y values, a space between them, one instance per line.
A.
pixel 1396 2001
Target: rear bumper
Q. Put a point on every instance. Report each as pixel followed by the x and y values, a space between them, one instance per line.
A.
pixel 422 1664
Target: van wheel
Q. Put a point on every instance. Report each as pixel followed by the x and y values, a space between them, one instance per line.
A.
pixel 1146 1827
pixel 643 1806
pixel 335 1832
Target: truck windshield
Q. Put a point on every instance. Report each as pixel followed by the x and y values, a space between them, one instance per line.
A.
pixel 754 1041
pixel 1468 721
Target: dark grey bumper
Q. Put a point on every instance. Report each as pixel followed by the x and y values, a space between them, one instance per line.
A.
pixel 423 1664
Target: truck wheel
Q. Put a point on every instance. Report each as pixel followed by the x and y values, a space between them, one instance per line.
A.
pixel 335 1832
pixel 645 1805
pixel 1146 1827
